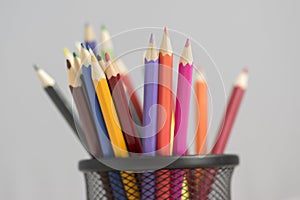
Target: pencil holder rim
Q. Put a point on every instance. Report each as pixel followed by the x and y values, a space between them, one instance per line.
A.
pixel 141 163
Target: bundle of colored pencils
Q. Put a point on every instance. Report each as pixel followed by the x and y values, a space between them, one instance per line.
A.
pixel 101 89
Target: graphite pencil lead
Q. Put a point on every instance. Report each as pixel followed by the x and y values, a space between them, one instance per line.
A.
pixel 166 30
pixel 83 46
pixel 187 43
pixel 66 51
pixel 107 57
pixel 103 27
pixel 99 58
pixel 68 64
pixel 36 68
pixel 151 38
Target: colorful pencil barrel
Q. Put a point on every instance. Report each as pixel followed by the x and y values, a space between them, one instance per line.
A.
pixel 231 111
pixel 182 115
pixel 150 116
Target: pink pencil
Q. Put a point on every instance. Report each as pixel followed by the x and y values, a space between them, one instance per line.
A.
pixel 182 115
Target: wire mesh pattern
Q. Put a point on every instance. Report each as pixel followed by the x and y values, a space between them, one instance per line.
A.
pixel 198 183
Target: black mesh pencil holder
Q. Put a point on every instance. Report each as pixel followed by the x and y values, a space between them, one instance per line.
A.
pixel 187 177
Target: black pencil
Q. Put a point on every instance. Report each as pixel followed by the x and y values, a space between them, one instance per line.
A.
pixel 58 98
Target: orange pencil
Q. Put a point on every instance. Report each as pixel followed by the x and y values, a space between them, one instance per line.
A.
pixel 201 114
pixel 164 116
pixel 196 176
pixel 165 100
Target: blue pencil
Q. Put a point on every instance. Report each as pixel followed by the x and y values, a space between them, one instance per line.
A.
pixel 90 38
pixel 150 115
pixel 86 79
pixel 114 177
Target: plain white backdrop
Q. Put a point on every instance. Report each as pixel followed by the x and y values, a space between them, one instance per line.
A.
pixel 38 153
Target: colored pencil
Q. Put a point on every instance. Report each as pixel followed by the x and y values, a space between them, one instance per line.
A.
pixel 134 100
pixel 196 176
pixel 106 43
pixel 85 116
pixel 150 115
pixel 87 82
pixel 108 109
pixel 164 115
pixel 106 102
pixel 165 95
pixel 60 101
pixel 231 111
pixel 107 47
pixel 90 38
pixel 114 178
pixel 150 99
pixel 220 143
pixel 182 115
pixel 122 108
pixel 201 114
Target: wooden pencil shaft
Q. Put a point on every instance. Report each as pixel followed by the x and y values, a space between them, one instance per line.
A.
pixel 201 116
pixel 87 121
pixel 125 117
pixel 64 108
pixel 229 118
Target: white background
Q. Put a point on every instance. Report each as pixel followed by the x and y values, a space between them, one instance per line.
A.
pixel 38 153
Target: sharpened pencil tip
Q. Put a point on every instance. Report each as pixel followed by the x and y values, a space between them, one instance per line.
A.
pixel 151 38
pixel 87 24
pixel 88 47
pixel 98 57
pixel 35 67
pixel 245 70
pixel 66 51
pixel 166 30
pixel 75 55
pixel 103 27
pixel 107 57
pixel 68 64
pixel 187 43
pixel 83 46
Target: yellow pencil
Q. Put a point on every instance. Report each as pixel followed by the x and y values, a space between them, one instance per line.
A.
pixel 108 110
pixel 113 125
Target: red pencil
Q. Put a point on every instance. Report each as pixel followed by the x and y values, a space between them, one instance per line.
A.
pixel 232 108
pixel 119 97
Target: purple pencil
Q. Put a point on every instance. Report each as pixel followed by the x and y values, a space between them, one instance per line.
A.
pixel 182 115
pixel 150 115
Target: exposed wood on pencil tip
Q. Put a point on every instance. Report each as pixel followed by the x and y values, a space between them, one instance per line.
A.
pixel 242 79
pixel 89 33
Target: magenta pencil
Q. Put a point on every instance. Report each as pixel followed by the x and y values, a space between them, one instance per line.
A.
pixel 182 115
